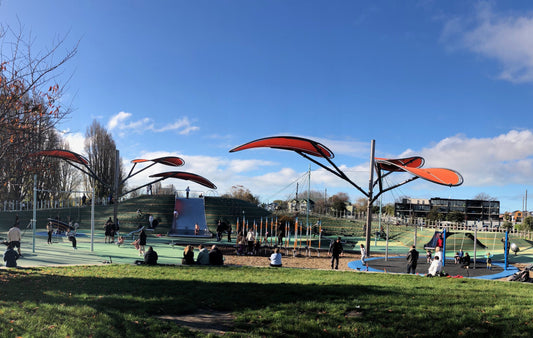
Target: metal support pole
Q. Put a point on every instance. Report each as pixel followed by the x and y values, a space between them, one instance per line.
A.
pixel 370 196
pixel 92 220
pixel 34 218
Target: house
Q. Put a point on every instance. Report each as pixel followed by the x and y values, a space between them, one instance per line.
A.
pixel 300 205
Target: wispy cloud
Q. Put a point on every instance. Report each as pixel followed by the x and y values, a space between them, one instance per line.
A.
pixel 505 38
pixel 123 122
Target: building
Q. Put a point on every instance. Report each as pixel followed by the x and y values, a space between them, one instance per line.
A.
pixel 474 210
pixel 300 205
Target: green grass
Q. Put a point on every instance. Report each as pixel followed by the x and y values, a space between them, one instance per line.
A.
pixel 126 300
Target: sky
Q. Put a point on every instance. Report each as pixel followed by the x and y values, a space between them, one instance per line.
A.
pixel 451 81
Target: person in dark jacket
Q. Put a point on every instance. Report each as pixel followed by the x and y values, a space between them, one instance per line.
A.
pixel 215 256
pixel 10 257
pixel 150 257
pixel 335 251
pixel 412 260
pixel 188 255
pixel 142 242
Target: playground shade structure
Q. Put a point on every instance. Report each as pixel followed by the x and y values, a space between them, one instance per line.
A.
pixel 297 144
pixel 187 176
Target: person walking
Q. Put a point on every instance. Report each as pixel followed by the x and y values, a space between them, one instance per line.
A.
pixel 412 260
pixel 335 251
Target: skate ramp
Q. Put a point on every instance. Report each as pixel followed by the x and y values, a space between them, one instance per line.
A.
pixel 190 211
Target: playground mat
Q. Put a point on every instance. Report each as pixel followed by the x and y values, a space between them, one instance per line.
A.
pixel 399 265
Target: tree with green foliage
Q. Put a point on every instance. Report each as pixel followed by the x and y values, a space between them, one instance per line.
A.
pixel 455 216
pixel 435 215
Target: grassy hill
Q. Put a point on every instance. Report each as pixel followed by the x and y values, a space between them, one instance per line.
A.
pixel 160 206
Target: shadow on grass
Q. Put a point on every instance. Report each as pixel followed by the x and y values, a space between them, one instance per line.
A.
pixel 271 302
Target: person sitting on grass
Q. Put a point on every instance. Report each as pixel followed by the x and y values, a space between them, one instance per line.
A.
pixel 203 256
pixel 10 257
pixel 275 259
pixel 435 268
pixel 150 257
pixel 188 255
pixel 215 256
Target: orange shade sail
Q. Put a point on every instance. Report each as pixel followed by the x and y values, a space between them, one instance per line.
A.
pixel 167 160
pixel 436 175
pixel 64 155
pixel 186 176
pixel 411 162
pixel 293 143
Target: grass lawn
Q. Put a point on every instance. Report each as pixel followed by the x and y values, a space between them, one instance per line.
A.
pixel 126 301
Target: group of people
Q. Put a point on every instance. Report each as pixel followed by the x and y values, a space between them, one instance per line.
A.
pixel 13 242
pixel 462 258
pixel 205 257
pixel 111 229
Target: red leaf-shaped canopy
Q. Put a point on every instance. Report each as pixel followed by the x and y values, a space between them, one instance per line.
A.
pixel 392 164
pixel 436 175
pixel 289 143
pixel 187 176
pixel 63 154
pixel 167 160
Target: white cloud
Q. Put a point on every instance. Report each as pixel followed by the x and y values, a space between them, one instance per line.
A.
pixel 504 38
pixel 76 141
pixel 501 160
pixel 122 123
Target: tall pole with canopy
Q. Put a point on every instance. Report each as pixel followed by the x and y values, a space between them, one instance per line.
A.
pixel 311 150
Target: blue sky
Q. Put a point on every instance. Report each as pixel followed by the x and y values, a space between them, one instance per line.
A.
pixel 447 80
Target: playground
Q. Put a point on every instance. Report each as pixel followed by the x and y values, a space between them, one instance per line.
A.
pixel 387 257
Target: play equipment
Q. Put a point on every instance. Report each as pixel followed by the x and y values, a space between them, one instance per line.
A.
pixel 514 248
pixel 190 212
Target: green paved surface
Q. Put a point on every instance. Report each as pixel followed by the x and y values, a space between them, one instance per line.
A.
pixel 62 253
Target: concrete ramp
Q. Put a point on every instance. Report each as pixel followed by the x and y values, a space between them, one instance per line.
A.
pixel 190 211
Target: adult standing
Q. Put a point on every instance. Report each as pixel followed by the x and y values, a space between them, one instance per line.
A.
pixel 187 191
pixel 412 260
pixel 335 251
pixel 363 255
pixel 142 242
pixel 50 231
pixel 13 237
pixel 108 227
pixel 151 220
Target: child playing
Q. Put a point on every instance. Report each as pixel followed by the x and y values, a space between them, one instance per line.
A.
pixel 428 256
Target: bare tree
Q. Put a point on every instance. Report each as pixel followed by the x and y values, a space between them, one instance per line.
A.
pixel 30 107
pixel 242 193
pixel 101 151
pixel 484 197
